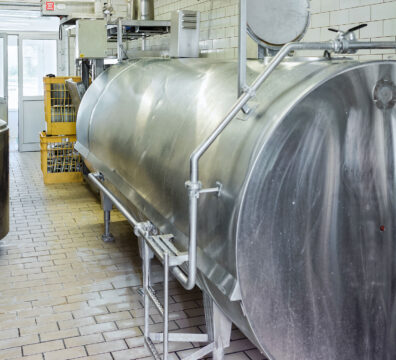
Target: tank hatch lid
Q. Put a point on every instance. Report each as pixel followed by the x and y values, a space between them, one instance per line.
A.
pixel 3 125
pixel 275 23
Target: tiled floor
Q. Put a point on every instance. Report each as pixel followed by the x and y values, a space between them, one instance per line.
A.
pixel 64 293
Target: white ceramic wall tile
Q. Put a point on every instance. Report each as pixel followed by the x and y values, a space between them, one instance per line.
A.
pixel 380 15
pixel 219 23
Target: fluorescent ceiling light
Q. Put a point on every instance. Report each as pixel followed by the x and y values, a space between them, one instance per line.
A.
pixel 20 14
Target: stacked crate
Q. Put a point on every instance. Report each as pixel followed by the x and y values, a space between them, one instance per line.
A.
pixel 60 163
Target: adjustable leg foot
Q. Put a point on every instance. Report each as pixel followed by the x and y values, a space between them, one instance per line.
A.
pixel 107 236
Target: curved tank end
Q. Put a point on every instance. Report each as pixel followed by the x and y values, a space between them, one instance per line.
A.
pixel 316 241
pixel 4 180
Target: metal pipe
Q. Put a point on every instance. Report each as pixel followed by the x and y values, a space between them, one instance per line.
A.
pixel 361 45
pixel 120 47
pixel 94 178
pixel 242 47
pixel 146 9
pixel 186 282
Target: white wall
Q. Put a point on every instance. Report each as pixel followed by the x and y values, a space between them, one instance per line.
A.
pixel 219 24
pixel 380 15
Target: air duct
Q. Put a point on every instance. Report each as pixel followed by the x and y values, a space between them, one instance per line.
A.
pixel 141 9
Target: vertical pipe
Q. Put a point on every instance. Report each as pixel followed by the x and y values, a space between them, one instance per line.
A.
pixel 146 9
pixel 242 47
pixel 120 50
pixel 166 304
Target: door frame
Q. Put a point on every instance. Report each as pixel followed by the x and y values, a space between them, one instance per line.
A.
pixel 29 36
pixel 4 99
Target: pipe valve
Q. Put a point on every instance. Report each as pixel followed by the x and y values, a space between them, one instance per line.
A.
pixel 344 38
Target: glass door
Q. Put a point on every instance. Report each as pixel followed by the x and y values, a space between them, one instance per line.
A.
pixel 37 58
pixel 3 77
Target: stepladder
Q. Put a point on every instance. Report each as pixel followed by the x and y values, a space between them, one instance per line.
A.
pixel 218 326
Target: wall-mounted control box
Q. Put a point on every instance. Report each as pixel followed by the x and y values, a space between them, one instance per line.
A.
pixel 91 39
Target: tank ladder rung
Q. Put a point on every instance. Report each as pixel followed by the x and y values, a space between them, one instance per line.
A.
pixel 161 244
pixel 169 256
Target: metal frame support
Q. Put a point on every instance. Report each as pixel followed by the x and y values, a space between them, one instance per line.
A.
pixel 218 325
pixel 107 206
pixel 120 46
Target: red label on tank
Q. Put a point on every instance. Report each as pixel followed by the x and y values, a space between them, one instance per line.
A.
pixel 50 6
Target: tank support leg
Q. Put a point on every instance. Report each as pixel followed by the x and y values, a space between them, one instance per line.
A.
pixel 107 207
pixel 150 255
pixel 218 328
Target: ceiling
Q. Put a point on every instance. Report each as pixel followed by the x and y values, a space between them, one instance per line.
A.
pixel 25 16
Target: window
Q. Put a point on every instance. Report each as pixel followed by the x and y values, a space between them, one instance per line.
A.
pixel 39 60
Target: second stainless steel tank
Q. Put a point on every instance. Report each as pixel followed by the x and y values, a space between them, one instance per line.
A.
pixel 299 249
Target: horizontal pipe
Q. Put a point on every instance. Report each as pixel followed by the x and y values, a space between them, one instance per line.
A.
pixel 187 282
pixel 360 45
pixel 94 178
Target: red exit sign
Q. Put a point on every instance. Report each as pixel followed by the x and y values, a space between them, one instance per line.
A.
pixel 50 6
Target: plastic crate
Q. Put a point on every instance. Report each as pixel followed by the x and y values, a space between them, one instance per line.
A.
pixel 60 114
pixel 60 163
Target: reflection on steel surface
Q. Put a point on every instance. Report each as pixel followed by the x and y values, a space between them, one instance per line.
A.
pixel 301 237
